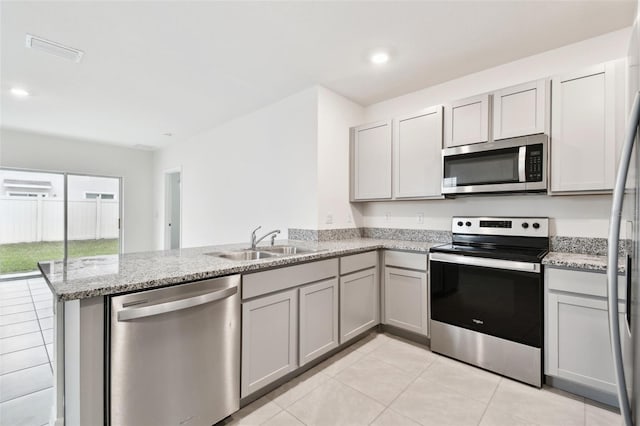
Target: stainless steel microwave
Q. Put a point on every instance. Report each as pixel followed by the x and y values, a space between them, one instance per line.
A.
pixel 509 165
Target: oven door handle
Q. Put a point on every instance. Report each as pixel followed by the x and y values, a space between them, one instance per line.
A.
pixel 485 262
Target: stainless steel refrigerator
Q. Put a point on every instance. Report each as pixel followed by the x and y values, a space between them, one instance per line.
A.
pixel 625 214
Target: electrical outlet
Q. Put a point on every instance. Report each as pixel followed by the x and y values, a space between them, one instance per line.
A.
pixel 386 216
pixel 349 219
pixel 329 218
pixel 420 217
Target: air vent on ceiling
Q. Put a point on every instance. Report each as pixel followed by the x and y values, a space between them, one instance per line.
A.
pixel 54 48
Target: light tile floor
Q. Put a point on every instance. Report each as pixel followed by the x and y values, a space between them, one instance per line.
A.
pixel 381 380
pixel 386 381
pixel 26 352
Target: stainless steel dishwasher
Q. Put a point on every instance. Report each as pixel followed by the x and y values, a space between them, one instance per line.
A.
pixel 175 354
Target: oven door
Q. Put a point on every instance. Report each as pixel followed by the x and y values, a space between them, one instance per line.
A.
pixel 497 297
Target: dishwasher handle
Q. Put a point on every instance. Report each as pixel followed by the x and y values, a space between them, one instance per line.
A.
pixel 176 305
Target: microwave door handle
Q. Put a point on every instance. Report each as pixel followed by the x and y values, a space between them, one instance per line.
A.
pixel 522 159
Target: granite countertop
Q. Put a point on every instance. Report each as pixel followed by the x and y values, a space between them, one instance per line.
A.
pixel 104 275
pixel 586 262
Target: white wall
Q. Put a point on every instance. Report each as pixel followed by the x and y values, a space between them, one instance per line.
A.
pixel 26 150
pixel 335 115
pixel 574 56
pixel 259 169
pixel 570 215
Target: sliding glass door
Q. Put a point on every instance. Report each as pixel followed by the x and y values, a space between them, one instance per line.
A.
pixel 52 216
pixel 93 215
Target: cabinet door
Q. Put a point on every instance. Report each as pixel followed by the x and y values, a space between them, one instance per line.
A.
pixel 318 319
pixel 405 300
pixel 269 339
pixel 371 153
pixel 583 134
pixel 359 303
pixel 521 110
pixel 467 121
pixel 578 346
pixel 417 154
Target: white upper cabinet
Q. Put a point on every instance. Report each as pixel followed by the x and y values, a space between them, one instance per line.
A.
pixel 417 155
pixel 521 110
pixel 467 121
pixel 583 134
pixel 371 162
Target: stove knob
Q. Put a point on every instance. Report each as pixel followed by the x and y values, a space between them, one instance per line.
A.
pixel 468 223
pixel 460 223
pixel 536 225
pixel 525 225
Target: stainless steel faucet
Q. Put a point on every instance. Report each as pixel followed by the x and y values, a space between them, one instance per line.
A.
pixel 255 241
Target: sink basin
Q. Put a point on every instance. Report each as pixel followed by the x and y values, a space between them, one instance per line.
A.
pixel 284 250
pixel 242 255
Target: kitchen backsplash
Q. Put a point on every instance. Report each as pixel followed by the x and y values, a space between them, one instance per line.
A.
pixel 407 234
pixel 594 246
pixel 324 234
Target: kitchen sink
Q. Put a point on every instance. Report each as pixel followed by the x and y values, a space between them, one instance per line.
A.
pixel 262 252
pixel 284 250
pixel 243 255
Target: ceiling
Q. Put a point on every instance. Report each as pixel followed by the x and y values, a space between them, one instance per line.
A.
pixel 181 67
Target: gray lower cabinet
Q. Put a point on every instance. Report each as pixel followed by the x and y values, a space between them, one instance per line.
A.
pixel 359 294
pixel 406 291
pixel 405 300
pixel 289 317
pixel 318 320
pixel 269 339
pixel 577 328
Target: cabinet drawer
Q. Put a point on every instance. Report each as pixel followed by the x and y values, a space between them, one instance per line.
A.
pixel 279 279
pixel 358 262
pixel 402 259
pixel 581 282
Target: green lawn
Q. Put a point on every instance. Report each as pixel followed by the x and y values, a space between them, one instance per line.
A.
pixel 23 257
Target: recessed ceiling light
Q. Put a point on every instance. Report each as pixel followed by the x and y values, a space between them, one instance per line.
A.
pixel 379 58
pixel 19 93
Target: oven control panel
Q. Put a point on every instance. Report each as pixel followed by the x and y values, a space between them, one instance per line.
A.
pixel 509 226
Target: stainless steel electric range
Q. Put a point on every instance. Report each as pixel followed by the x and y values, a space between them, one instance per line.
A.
pixel 487 294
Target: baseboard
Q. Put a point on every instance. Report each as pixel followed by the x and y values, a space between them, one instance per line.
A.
pixel 583 390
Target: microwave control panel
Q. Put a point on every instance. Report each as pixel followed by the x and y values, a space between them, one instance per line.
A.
pixel 534 163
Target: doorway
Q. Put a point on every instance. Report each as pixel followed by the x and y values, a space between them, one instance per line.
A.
pixel 172 207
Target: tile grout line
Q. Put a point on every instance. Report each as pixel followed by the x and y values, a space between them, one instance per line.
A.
pixel 293 415
pixel 490 399
pixel 23 349
pixel 22 334
pixel 26 368
pixel 405 389
pixel 19 322
pixel 27 394
pixel 41 333
pixel 387 406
